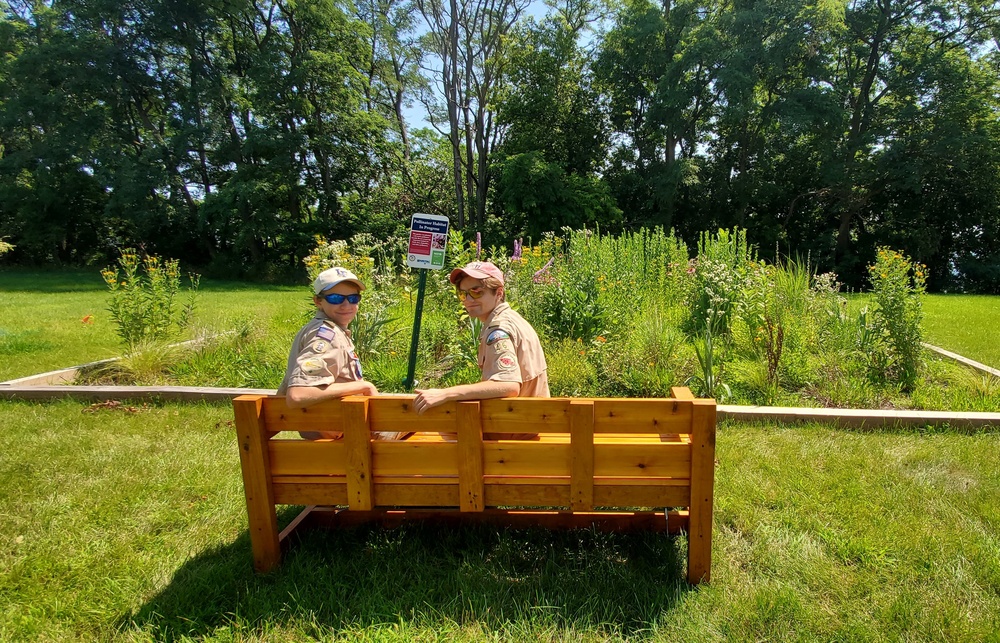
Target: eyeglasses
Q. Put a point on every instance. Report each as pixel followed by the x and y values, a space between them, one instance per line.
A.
pixel 475 293
pixel 336 299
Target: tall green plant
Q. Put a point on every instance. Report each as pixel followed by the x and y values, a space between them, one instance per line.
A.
pixel 898 285
pixel 143 298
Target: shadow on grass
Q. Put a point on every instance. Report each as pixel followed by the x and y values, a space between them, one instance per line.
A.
pixel 424 575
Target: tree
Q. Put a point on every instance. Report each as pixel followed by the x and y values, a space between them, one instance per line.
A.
pixel 467 40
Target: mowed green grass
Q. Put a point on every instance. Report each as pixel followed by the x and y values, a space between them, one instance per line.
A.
pixel 43 327
pixel 965 324
pixel 42 313
pixel 130 525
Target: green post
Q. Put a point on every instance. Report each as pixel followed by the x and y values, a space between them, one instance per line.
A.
pixel 409 383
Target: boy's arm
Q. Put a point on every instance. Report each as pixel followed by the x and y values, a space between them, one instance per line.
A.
pixel 485 390
pixel 298 397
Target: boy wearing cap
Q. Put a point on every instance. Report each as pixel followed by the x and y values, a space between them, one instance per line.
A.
pixel 510 355
pixel 322 363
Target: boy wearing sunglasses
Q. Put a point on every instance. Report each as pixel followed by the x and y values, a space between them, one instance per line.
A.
pixel 510 355
pixel 322 363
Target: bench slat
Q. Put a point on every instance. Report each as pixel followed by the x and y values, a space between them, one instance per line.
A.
pixel 293 457
pixel 395 413
pixel 649 459
pixel 526 415
pixel 655 460
pixel 642 416
pixel 322 417
pixel 300 493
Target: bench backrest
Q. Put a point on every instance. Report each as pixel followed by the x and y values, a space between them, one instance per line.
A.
pixel 590 452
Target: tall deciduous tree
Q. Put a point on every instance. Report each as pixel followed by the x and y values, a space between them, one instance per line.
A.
pixel 466 40
pixel 555 131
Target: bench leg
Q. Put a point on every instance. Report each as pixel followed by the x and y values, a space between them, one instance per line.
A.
pixel 263 535
pixel 256 468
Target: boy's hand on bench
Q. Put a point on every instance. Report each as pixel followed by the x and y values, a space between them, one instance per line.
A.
pixel 427 398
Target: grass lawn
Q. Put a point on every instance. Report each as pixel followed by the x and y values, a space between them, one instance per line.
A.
pixel 964 324
pixel 130 525
pixel 42 313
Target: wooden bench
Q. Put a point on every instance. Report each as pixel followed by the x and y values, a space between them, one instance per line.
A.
pixel 594 462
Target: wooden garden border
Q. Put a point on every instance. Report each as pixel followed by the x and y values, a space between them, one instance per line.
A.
pixel 863 418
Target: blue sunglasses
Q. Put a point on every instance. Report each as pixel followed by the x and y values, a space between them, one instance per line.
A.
pixel 336 299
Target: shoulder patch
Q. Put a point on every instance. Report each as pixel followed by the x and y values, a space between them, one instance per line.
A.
pixel 496 336
pixel 313 366
pixel 320 346
pixel 325 332
pixel 506 362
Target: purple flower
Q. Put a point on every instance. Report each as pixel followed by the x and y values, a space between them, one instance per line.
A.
pixel 517 250
pixel 479 245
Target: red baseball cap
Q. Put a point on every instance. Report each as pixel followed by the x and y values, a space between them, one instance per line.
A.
pixel 476 270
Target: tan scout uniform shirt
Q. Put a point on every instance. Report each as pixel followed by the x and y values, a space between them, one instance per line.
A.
pixel 322 353
pixel 509 351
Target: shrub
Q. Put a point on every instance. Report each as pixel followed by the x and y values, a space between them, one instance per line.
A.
pixel 143 299
pixel 897 285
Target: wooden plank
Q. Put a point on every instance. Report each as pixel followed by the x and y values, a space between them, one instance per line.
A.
pixel 962 360
pixel 860 418
pixel 681 393
pixel 531 495
pixel 674 521
pixel 425 495
pixel 313 493
pixel 702 489
pixel 642 416
pixel 305 457
pixel 641 496
pixel 105 393
pixel 299 521
pixel 251 435
pixel 526 458
pixel 581 414
pixel 470 461
pixel 395 413
pixel 357 438
pixel 321 479
pixel 325 416
pixel 598 481
pixel 415 458
pixel 525 415
pixel 654 460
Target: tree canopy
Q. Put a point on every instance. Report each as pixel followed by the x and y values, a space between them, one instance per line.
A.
pixel 230 134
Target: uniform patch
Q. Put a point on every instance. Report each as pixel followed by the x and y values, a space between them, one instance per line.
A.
pixel 320 346
pixel 325 333
pixel 503 346
pixel 507 362
pixel 313 366
pixel 496 336
pixel 356 362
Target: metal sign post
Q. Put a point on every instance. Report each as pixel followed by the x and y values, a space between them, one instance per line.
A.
pixel 426 250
